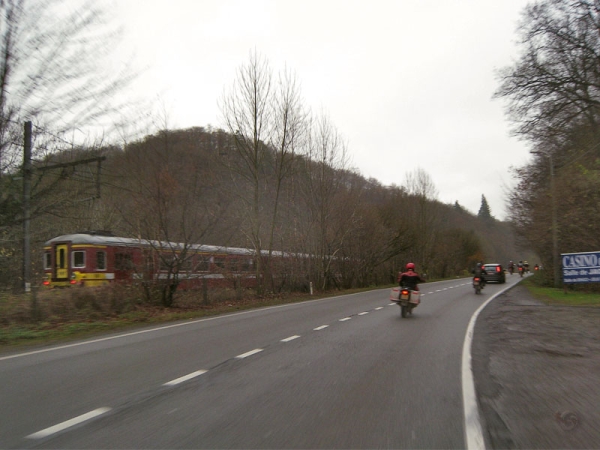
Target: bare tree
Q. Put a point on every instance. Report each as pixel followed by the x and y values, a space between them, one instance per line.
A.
pixel 556 82
pixel 172 200
pixel 332 213
pixel 267 121
pixel 247 112
pixel 287 141
pixel 54 72
pixel 424 212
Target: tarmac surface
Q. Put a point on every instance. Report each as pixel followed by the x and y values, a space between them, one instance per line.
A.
pixel 537 373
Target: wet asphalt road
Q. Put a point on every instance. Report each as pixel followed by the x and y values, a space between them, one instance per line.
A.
pixel 344 372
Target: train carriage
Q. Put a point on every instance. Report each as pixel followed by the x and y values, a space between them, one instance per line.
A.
pixel 96 259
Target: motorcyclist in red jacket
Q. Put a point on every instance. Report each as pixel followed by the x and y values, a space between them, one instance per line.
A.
pixel 410 279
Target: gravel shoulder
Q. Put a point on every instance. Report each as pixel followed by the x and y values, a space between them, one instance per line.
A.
pixel 537 373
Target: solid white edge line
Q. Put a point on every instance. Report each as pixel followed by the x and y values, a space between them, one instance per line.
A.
pixel 68 423
pixel 189 376
pixel 473 431
pixel 291 338
pixel 250 353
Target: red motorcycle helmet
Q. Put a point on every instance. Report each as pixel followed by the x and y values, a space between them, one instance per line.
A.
pixel 410 266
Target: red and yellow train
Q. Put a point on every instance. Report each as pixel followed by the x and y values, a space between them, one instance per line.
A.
pixel 96 259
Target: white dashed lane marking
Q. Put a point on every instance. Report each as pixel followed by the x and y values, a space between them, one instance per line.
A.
pixel 320 328
pixel 345 318
pixel 250 353
pixel 189 376
pixel 291 338
pixel 68 424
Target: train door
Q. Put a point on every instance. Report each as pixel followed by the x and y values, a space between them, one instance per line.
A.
pixel 61 261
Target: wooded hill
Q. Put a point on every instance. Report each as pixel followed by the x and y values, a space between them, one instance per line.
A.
pixel 194 186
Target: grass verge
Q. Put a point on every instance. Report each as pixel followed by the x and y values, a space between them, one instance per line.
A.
pixel 560 296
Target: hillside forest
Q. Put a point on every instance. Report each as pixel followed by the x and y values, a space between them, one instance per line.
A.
pixel 274 176
pixel 192 186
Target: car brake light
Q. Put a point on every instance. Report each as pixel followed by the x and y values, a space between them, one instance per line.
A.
pixel 498 269
pixel 73 281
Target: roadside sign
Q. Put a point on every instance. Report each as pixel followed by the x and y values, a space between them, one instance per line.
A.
pixel 581 267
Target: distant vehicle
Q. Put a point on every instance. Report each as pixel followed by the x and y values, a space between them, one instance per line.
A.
pixel 494 272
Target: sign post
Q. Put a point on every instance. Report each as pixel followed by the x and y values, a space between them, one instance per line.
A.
pixel 581 267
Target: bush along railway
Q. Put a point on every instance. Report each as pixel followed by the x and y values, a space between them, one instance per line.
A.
pixel 99 258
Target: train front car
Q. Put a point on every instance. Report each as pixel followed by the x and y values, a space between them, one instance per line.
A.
pixel 85 259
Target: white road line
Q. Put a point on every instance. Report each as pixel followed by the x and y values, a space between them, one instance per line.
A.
pixel 473 431
pixel 291 338
pixel 189 376
pixel 391 304
pixel 345 318
pixel 363 313
pixel 68 424
pixel 378 308
pixel 182 324
pixel 250 353
pixel 322 327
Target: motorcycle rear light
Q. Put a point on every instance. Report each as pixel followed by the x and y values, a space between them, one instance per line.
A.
pixel 476 279
pixel 73 281
pixel 405 292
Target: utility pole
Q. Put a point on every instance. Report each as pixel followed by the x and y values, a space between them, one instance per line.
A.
pixel 554 226
pixel 555 259
pixel 27 177
pixel 27 207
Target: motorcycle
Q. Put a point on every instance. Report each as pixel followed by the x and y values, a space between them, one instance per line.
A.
pixel 511 269
pixel 477 285
pixel 406 299
pixel 521 272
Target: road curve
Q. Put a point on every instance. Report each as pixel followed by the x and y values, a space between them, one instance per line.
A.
pixel 342 372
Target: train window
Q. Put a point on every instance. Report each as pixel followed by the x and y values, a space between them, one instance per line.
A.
pixel 186 264
pixel 246 265
pixel 100 260
pixel 47 260
pixel 219 261
pixel 78 259
pixel 123 261
pixel 202 264
pixel 61 259
pixel 166 262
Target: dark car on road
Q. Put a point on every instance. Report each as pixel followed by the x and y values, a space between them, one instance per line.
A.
pixel 494 272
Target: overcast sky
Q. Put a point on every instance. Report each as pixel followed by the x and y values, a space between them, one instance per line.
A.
pixel 408 83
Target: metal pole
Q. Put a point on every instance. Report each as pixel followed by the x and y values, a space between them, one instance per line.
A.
pixel 555 261
pixel 27 207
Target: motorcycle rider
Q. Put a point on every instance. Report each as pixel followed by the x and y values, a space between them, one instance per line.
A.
pixel 479 271
pixel 410 279
pixel 511 267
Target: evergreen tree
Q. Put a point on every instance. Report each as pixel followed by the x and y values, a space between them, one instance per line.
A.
pixel 484 210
